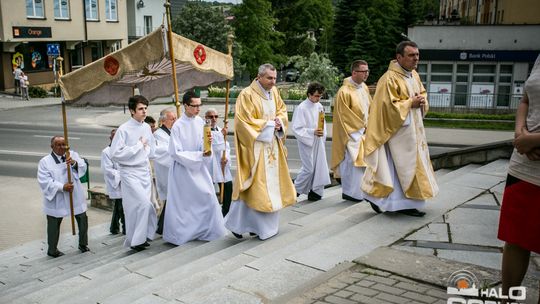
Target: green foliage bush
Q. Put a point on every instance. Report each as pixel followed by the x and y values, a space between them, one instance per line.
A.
pixel 37 92
pixel 511 117
pixel 220 92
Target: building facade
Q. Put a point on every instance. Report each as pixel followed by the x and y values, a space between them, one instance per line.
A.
pixel 473 67
pixel 144 16
pixel 34 32
pixel 490 11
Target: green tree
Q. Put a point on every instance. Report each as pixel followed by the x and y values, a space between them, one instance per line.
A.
pixel 201 22
pixel 301 20
pixel 254 30
pixel 317 68
pixel 345 19
pixel 415 11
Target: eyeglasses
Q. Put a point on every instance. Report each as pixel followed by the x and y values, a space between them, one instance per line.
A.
pixel 212 116
pixel 364 71
pixel 195 106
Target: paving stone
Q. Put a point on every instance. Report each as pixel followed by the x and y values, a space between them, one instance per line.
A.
pixel 388 289
pixel 473 216
pixel 419 297
pixel 338 300
pixel 365 283
pixel 362 290
pixel 496 168
pixel 411 287
pixel 358 275
pixel 417 250
pixel 437 293
pixel 358 298
pixel 481 235
pixel 383 280
pixel 343 294
pixel 391 298
pixel 433 232
pixel 480 181
pixel 348 280
pixel 498 191
pixel 376 272
pixel 336 284
pixel 484 199
pixel 486 259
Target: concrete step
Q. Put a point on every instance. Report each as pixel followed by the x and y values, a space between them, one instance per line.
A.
pixel 456 173
pixel 95 277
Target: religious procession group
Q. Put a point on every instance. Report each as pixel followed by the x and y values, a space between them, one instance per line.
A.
pixel 379 153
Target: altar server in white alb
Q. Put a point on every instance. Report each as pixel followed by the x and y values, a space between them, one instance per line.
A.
pixel 132 147
pixel 162 160
pixel 220 168
pixel 193 211
pixel 112 183
pixel 314 174
pixel 52 179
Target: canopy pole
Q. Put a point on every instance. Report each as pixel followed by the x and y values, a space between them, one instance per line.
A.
pixel 171 55
pixel 66 140
pixel 230 38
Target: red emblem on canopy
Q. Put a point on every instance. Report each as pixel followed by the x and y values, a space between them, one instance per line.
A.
pixel 200 54
pixel 111 65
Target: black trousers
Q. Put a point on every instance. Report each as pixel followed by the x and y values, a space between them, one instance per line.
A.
pixel 53 231
pixel 227 195
pixel 117 217
pixel 161 219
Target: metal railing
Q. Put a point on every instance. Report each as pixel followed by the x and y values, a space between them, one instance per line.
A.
pixel 474 102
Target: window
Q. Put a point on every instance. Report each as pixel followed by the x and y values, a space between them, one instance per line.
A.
pixel 61 9
pixel 34 9
pixel 91 8
pixel 147 25
pixel 76 57
pixel 111 11
pixel 97 50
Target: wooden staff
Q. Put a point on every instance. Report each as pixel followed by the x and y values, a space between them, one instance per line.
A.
pixel 230 38
pixel 171 55
pixel 64 120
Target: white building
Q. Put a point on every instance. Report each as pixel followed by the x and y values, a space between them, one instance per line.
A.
pixel 144 16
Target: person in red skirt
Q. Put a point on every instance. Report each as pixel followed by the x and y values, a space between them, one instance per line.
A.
pixel 519 224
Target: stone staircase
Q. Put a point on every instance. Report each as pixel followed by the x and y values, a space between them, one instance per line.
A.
pixel 315 241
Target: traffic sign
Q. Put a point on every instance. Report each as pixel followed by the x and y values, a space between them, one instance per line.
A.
pixel 53 49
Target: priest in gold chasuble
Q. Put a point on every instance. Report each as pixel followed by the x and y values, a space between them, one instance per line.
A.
pixel 399 175
pixel 262 184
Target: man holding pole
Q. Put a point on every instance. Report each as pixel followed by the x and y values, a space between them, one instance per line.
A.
pixel 52 179
pixel 220 167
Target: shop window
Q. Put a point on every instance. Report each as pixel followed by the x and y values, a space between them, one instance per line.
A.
pixel 441 68
pixel 76 57
pixel 422 68
pixel 61 9
pixel 439 78
pixel 91 8
pixel 462 78
pixel 34 9
pixel 97 50
pixel 463 69
pixel 111 10
pixel 33 57
pixel 484 69
pixel 506 69
pixel 460 98
pixel 506 79
pixel 503 96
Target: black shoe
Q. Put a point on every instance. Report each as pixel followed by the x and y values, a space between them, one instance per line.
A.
pixel 412 212
pixel 238 236
pixel 138 247
pixel 145 244
pixel 374 207
pixel 253 234
pixel 83 248
pixel 55 254
pixel 313 197
pixel 115 232
pixel 349 198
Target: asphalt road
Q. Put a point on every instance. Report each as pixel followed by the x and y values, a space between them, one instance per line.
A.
pixel 25 137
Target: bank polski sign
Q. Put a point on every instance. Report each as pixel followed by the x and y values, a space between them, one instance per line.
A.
pixel 463 288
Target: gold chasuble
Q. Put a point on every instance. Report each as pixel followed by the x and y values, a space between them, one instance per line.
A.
pixel 262 178
pixel 351 107
pixel 394 125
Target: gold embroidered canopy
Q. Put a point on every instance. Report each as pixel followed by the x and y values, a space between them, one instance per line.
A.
pixel 145 64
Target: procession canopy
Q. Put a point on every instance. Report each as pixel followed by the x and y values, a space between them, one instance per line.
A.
pixel 145 65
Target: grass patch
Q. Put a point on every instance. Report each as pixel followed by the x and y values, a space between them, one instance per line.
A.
pixel 511 117
pixel 487 125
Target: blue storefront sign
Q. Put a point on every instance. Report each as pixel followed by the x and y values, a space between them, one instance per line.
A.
pixel 479 55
